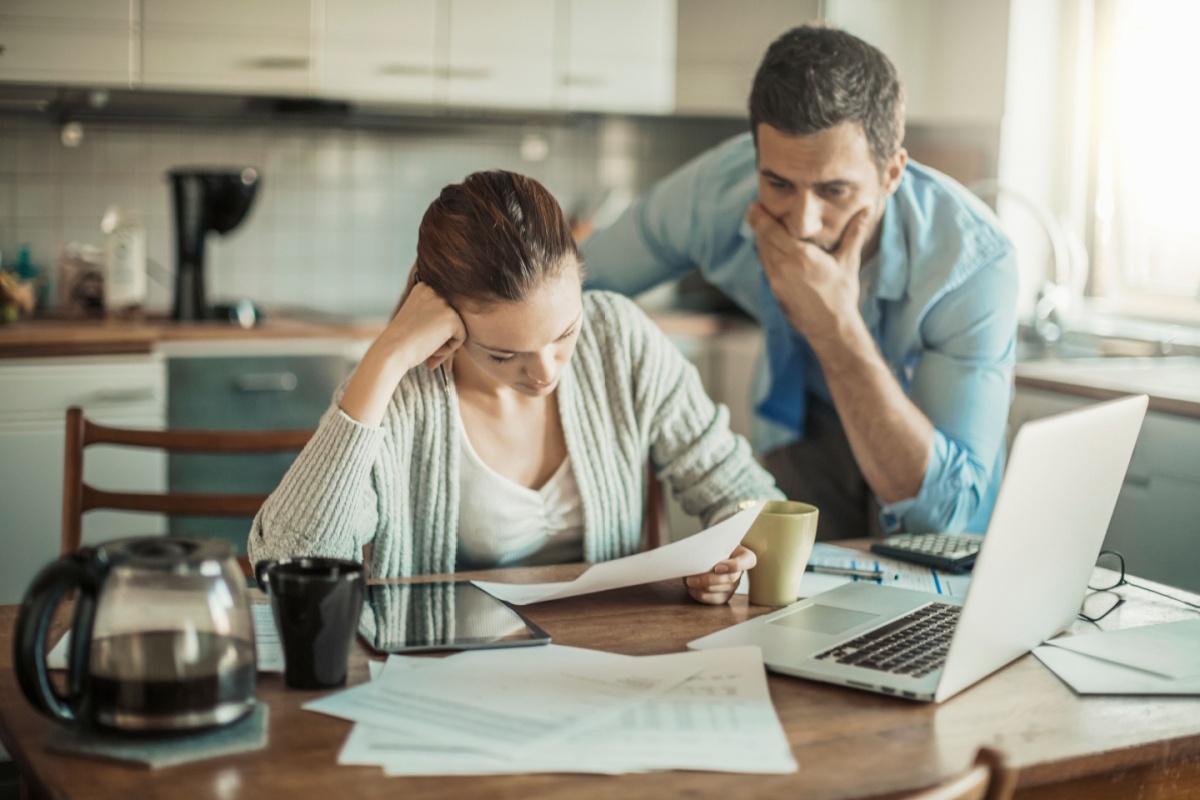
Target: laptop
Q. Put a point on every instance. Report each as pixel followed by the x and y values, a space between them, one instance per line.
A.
pixel 1055 502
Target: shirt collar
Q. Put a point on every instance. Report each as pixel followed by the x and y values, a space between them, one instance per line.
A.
pixel 891 260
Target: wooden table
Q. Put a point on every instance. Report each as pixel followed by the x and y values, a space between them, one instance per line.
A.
pixel 849 744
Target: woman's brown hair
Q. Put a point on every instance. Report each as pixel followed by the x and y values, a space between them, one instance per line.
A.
pixel 492 238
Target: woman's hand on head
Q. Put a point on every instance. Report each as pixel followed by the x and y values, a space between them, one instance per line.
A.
pixel 426 328
pixel 716 586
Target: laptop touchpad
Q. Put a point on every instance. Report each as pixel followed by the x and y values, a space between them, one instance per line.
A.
pixel 823 619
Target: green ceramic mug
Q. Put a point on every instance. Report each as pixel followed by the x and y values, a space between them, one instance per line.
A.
pixel 782 539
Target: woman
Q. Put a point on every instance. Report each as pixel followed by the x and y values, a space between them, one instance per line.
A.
pixel 524 438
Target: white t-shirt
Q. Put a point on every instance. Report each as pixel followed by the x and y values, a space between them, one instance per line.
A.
pixel 504 524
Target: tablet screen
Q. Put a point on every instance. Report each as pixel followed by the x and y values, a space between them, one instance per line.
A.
pixel 447 615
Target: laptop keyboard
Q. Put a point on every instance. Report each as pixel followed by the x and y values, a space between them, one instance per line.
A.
pixel 914 644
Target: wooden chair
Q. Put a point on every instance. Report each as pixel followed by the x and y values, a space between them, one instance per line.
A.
pixel 79 497
pixel 988 779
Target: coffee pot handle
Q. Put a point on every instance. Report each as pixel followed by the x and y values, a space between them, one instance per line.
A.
pixel 74 571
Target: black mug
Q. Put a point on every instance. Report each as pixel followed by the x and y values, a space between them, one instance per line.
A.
pixel 317 603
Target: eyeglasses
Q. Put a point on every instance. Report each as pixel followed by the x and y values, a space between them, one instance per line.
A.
pixel 1101 600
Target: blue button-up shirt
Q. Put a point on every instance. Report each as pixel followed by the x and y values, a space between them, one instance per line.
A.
pixel 939 297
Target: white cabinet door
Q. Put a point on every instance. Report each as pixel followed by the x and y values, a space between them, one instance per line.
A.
pixel 380 51
pixel 124 391
pixel 620 56
pixel 1154 522
pixel 501 54
pixel 720 44
pixel 951 54
pixel 251 46
pixel 86 42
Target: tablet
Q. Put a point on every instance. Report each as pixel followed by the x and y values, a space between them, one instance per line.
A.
pixel 443 615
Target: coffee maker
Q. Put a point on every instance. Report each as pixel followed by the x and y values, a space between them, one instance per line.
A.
pixel 205 200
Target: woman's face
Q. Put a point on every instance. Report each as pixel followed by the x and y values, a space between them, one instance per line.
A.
pixel 527 344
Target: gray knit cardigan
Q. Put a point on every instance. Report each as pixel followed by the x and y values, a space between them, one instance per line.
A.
pixel 626 395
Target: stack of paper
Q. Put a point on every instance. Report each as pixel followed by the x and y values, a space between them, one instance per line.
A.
pixel 563 709
pixel 1153 659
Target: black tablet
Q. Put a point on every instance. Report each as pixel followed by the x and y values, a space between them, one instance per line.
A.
pixel 446 615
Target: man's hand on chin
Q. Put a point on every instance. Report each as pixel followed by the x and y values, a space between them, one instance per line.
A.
pixel 818 291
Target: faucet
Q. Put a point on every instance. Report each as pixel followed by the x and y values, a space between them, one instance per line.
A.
pixel 1054 294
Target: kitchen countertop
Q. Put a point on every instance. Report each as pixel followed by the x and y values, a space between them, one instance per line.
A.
pixel 1173 383
pixel 43 338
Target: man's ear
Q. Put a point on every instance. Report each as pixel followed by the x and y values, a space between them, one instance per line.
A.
pixel 894 171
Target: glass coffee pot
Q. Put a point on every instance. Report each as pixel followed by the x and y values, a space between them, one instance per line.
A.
pixel 161 638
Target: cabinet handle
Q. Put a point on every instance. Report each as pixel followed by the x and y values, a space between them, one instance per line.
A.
pixel 405 69
pixel 278 62
pixel 469 73
pixel 124 395
pixel 582 80
pixel 266 382
pixel 2 49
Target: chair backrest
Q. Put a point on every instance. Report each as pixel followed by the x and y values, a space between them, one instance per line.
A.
pixel 79 497
pixel 989 778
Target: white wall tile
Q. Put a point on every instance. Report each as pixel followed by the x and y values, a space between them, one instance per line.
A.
pixel 334 227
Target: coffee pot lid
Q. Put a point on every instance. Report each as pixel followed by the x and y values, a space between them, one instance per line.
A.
pixel 180 555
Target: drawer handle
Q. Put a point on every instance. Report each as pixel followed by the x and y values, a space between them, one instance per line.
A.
pixel 266 382
pixel 124 395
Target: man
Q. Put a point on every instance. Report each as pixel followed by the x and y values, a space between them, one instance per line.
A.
pixel 886 292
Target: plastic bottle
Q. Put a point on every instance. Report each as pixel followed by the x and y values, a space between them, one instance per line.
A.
pixel 125 261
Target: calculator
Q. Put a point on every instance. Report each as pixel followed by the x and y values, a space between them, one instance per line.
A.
pixel 952 552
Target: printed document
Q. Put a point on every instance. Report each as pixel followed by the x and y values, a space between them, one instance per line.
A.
pixel 507 702
pixel 721 719
pixel 691 556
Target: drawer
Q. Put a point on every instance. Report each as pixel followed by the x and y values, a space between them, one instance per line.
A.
pixel 115 387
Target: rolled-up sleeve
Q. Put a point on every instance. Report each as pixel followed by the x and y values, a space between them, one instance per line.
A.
pixel 962 382
pixel 658 238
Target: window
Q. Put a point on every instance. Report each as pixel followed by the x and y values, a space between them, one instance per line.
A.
pixel 1145 237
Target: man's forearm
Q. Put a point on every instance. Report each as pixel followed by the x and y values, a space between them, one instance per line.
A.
pixel 890 438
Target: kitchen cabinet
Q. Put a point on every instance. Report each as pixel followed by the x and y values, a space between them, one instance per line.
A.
pixel 951 54
pixel 501 55
pixel 620 56
pixel 720 45
pixel 118 390
pixel 1154 524
pixel 91 42
pixel 244 45
pixel 380 51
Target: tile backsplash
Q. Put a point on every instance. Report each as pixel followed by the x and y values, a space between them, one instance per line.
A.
pixel 334 225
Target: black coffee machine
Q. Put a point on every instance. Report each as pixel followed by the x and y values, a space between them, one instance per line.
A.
pixel 205 200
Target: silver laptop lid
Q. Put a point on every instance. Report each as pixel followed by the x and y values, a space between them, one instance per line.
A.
pixel 1063 478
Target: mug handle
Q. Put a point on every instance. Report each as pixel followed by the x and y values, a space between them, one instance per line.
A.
pixel 260 572
pixel 75 571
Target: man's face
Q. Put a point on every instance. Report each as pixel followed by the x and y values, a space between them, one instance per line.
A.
pixel 814 185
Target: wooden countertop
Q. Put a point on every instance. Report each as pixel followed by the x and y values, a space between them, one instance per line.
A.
pixel 1173 383
pixel 50 337
pixel 46 338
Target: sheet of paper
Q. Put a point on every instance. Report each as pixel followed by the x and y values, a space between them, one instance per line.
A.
pixel 895 573
pixel 506 701
pixel 1087 675
pixel 691 556
pixel 266 642
pixel 721 719
pixel 1170 649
